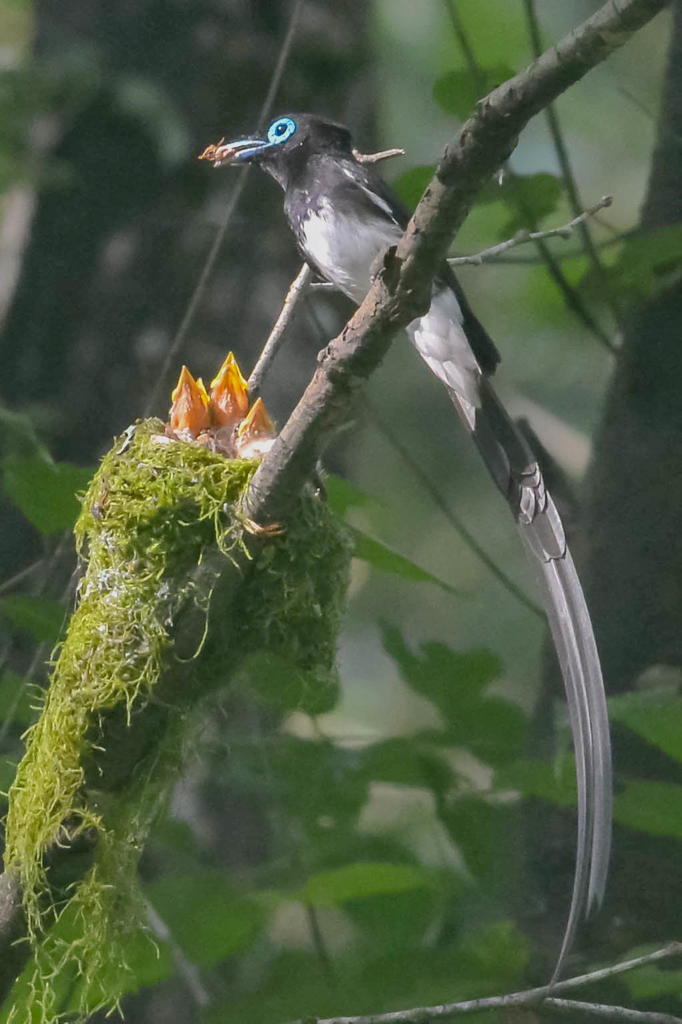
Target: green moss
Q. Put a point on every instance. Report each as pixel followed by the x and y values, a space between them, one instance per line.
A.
pixel 159 523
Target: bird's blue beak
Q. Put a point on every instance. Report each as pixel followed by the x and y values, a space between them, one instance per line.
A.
pixel 241 151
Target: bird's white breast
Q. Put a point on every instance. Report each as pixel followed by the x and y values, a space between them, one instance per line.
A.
pixel 344 247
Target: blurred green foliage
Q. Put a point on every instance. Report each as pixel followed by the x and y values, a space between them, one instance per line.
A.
pixel 386 876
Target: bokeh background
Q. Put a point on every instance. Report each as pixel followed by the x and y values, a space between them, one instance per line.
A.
pixel 425 783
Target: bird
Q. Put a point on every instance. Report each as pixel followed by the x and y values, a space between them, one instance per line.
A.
pixel 344 217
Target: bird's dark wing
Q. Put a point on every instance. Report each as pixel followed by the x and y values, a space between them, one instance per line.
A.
pixel 370 191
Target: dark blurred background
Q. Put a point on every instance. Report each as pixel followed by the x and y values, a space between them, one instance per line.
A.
pixel 107 218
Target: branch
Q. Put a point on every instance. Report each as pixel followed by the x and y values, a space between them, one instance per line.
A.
pixel 605 1011
pixel 401 291
pixel 571 296
pixel 564 161
pixel 529 998
pixel 276 336
pixel 303 281
pixel 524 236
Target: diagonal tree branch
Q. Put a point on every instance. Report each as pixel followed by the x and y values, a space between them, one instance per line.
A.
pixel 402 290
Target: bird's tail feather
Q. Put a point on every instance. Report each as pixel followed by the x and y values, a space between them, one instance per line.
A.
pixel 517 475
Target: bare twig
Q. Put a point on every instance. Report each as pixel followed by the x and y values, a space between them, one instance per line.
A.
pixel 276 336
pixel 567 174
pixel 18 577
pixel 571 296
pixel 524 236
pixel 429 488
pixel 374 158
pixel 529 997
pixel 197 295
pixel 605 1011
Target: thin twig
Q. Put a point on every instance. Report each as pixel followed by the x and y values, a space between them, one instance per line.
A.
pixel 374 158
pixel 622 967
pixel 465 46
pixel 209 264
pixel 571 296
pixel 567 174
pixel 524 236
pixel 10 583
pixel 605 1011
pixel 566 254
pixel 276 336
pixel 530 997
pixel 296 290
pixel 429 488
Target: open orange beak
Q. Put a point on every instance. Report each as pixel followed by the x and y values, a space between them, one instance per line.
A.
pixel 256 433
pixel 190 409
pixel 229 394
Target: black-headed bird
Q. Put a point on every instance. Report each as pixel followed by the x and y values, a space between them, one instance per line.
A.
pixel 344 217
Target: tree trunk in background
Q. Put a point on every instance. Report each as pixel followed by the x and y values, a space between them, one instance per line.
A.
pixel 631 542
pixel 634 511
pixel 633 531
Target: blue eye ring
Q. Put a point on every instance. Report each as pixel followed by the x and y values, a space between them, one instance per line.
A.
pixel 281 130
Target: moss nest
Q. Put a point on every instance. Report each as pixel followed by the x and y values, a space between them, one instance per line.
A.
pixel 154 629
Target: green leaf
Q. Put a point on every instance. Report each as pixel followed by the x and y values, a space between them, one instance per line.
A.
pixel 314 781
pixel 206 917
pixel 358 881
pixel 284 686
pixel 456 92
pixel 480 829
pixel 45 492
pixel 342 495
pixel 646 263
pixel 488 725
pixel 497 952
pixel 142 99
pixel 552 782
pixel 379 556
pixel 650 982
pixel 410 185
pixel 407 762
pixel 653 807
pixel 657 717
pixel 16 699
pixel 41 618
pixel 530 198
pixel 18 436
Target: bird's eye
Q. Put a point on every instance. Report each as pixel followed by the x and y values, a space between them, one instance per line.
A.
pixel 281 129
